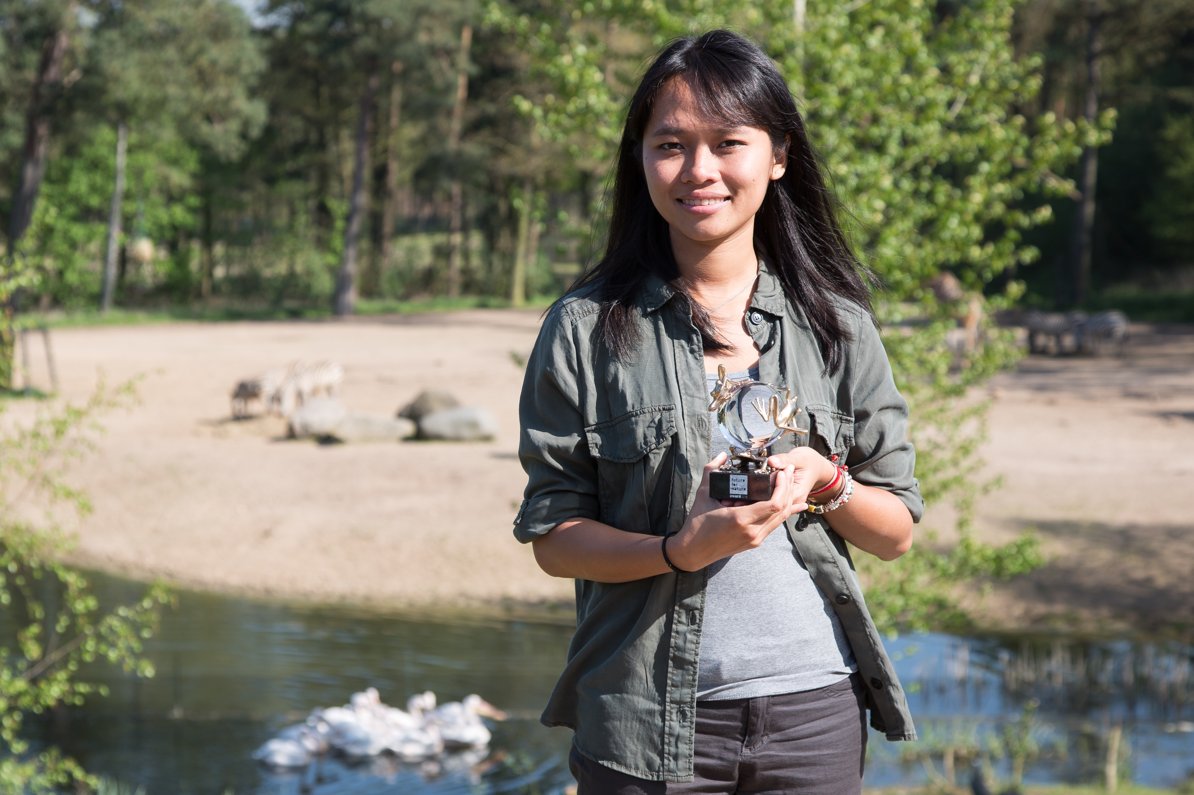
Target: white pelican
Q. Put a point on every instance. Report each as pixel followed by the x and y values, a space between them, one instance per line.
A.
pixel 366 727
pixel 354 732
pixel 460 723
pixel 283 753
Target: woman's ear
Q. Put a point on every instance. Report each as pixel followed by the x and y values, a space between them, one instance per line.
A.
pixel 780 166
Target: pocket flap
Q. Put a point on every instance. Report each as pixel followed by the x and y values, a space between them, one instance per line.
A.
pixel 834 429
pixel 632 436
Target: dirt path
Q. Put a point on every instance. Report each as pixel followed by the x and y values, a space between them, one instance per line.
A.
pixel 1096 455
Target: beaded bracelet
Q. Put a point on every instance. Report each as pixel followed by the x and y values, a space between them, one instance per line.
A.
pixel 839 501
pixel 828 487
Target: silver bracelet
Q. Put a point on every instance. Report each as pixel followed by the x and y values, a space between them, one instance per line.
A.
pixel 837 502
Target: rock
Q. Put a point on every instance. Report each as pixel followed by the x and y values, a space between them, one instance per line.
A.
pixel 317 417
pixel 463 424
pixel 357 427
pixel 427 402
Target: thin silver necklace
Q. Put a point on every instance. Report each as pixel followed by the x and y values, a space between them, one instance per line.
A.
pixel 744 288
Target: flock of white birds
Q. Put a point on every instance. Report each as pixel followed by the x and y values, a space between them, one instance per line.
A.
pixel 365 727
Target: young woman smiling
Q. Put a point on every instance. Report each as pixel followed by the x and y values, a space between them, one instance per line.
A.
pixel 720 646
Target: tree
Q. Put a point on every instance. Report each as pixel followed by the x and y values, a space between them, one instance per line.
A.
pixel 56 21
pixel 59 624
pixel 47 83
pixel 343 49
pixel 1097 55
pixel 916 108
pixel 171 69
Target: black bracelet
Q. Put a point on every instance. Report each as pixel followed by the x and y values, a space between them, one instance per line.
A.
pixel 667 560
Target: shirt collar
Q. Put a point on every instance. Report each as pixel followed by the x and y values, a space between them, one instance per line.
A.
pixel 654 294
pixel 769 295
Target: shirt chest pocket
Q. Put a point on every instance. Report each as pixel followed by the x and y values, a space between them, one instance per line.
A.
pixel 830 431
pixel 634 455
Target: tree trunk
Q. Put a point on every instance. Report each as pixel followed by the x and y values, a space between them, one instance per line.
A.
pixel 8 342
pixel 37 134
pixel 346 289
pixel 207 259
pixel 518 275
pixel 29 179
pixel 1075 285
pixel 108 285
pixel 456 192
pixel 389 192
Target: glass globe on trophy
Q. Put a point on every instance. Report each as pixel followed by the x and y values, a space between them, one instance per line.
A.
pixel 752 416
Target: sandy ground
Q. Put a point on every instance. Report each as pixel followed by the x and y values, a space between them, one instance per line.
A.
pixel 1096 456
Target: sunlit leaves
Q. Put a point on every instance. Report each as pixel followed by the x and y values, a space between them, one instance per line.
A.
pixel 60 625
pixel 918 111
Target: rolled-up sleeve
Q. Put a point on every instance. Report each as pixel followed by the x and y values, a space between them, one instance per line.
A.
pixel 561 472
pixel 882 454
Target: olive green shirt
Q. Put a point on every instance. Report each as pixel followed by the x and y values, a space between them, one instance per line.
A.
pixel 624 442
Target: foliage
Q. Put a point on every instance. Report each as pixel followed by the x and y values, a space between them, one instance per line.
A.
pixel 916 113
pixel 60 627
pixel 1172 205
pixel 970 750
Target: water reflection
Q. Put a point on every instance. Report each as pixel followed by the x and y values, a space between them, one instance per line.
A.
pixel 231 673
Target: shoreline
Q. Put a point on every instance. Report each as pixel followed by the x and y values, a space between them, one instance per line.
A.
pixel 185 494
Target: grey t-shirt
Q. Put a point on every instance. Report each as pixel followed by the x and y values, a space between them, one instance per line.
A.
pixel 767 629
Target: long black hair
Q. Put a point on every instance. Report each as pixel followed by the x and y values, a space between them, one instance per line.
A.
pixel 796 231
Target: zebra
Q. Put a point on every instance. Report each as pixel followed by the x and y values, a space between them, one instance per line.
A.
pixel 1054 326
pixel 1101 331
pixel 301 382
pixel 257 389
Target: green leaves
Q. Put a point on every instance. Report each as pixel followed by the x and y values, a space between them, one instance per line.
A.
pixel 60 625
pixel 918 113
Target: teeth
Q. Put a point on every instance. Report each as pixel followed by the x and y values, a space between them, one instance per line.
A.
pixel 702 202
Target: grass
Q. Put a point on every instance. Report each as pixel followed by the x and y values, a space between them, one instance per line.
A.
pixel 1124 788
pixel 220 313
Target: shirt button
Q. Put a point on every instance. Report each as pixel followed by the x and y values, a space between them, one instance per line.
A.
pixel 755 317
pixel 842 599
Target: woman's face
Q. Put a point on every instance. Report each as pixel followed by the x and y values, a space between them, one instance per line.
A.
pixel 706 180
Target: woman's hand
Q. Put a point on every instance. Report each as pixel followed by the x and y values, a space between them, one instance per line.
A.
pixel 874 520
pixel 810 471
pixel 717 529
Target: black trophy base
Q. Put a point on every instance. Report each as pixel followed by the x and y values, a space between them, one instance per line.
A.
pixel 725 484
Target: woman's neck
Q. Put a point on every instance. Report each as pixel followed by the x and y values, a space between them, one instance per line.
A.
pixel 716 282
pixel 718 266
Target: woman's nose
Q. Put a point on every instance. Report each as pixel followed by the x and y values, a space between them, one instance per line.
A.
pixel 699 166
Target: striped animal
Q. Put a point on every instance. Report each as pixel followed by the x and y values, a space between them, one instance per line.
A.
pixel 1053 327
pixel 301 382
pixel 1102 331
pixel 257 389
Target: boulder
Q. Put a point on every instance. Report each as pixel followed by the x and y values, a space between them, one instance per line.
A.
pixel 357 427
pixel 462 424
pixel 427 402
pixel 316 417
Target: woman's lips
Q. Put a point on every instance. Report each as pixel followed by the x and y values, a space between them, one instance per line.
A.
pixel 704 204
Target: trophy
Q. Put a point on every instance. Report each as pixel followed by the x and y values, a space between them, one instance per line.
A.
pixel 752 416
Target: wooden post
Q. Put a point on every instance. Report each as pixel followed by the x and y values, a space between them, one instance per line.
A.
pixel 1111 763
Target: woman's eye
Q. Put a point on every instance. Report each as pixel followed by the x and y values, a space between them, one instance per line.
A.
pixel 732 143
pixel 670 146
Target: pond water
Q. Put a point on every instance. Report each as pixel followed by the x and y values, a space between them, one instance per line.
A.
pixel 231 673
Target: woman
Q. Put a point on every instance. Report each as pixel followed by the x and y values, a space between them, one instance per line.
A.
pixel 720 646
